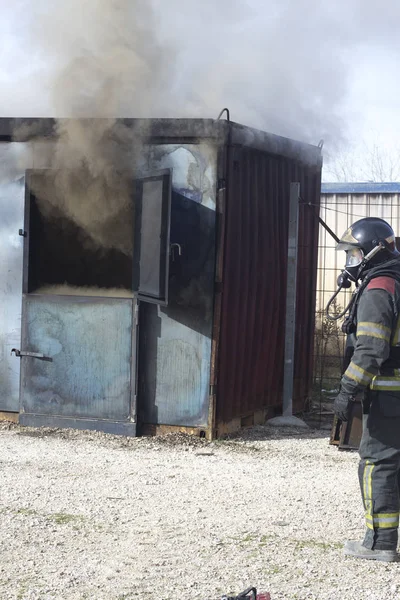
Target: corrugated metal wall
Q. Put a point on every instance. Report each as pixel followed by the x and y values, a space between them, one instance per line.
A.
pixel 252 337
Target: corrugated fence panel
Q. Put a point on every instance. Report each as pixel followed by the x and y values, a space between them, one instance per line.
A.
pixel 251 357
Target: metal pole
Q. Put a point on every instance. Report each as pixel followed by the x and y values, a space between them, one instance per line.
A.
pixel 290 321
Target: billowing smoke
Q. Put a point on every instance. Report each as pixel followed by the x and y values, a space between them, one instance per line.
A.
pixel 280 65
pixel 103 61
pixel 104 58
pixel 90 180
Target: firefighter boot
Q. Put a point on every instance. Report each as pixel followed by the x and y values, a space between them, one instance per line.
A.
pixel 358 550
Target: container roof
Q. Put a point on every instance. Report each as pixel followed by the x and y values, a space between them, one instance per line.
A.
pixel 177 131
pixel 360 188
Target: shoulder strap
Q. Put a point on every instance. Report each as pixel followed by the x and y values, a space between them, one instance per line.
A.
pixel 386 270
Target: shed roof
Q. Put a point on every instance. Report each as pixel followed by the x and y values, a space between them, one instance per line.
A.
pixel 178 131
pixel 361 188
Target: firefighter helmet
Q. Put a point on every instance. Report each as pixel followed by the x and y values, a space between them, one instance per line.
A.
pixel 361 238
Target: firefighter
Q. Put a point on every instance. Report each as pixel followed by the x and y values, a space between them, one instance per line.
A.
pixel 373 374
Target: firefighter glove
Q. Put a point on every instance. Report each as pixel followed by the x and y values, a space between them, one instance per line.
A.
pixel 341 406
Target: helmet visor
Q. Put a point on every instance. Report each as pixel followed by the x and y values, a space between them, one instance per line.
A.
pixel 354 257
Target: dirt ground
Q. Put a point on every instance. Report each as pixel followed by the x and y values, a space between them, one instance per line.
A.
pixel 90 516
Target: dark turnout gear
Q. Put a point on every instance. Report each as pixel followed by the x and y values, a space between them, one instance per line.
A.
pixel 374 374
pixel 379 471
pixel 375 370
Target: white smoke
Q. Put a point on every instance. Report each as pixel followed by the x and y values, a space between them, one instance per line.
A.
pixel 280 65
pixel 285 66
pixel 104 57
pixel 103 61
pixel 90 180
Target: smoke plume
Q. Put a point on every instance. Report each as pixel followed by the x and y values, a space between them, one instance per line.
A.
pixel 104 63
pixel 90 179
pixel 280 65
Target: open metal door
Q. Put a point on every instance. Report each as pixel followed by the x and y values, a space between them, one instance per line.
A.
pixel 79 325
pixel 151 241
pixel 78 351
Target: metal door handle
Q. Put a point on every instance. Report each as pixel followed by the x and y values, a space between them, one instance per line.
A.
pixel 172 250
pixel 20 353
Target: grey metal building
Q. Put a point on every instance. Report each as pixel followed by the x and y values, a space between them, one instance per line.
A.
pixel 182 330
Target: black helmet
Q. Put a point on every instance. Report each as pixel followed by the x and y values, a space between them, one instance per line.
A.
pixel 361 238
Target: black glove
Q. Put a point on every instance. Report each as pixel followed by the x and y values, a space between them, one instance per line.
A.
pixel 341 406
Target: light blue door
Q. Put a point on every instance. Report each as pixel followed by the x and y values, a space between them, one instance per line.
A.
pixel 77 359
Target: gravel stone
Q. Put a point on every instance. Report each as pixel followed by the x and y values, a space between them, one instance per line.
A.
pixel 86 515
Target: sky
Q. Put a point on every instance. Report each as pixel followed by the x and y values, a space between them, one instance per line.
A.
pixel 306 69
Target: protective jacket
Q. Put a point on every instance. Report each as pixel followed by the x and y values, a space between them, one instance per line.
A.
pixel 376 359
pixel 374 372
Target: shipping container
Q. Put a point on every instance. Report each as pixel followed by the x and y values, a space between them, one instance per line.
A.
pixel 186 329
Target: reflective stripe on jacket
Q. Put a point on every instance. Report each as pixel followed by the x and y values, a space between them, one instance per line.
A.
pixel 376 359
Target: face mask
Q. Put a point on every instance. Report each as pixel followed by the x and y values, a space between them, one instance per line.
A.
pixel 354 257
pixel 356 263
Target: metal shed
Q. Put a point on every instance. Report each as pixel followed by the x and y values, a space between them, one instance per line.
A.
pixel 198 342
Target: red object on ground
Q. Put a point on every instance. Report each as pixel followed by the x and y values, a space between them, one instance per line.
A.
pixel 250 594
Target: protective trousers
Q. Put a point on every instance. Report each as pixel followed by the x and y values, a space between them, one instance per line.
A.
pixel 379 470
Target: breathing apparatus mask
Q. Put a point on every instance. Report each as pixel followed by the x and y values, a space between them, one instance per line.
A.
pixel 356 265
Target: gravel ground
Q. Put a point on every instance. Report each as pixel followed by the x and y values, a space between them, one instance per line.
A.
pixel 91 516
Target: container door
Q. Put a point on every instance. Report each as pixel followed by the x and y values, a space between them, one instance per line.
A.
pixel 77 357
pixel 151 241
pixel 78 344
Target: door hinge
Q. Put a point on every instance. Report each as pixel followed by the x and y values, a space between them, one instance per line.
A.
pixel 136 314
pixel 213 390
pixel 221 189
pixel 133 417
